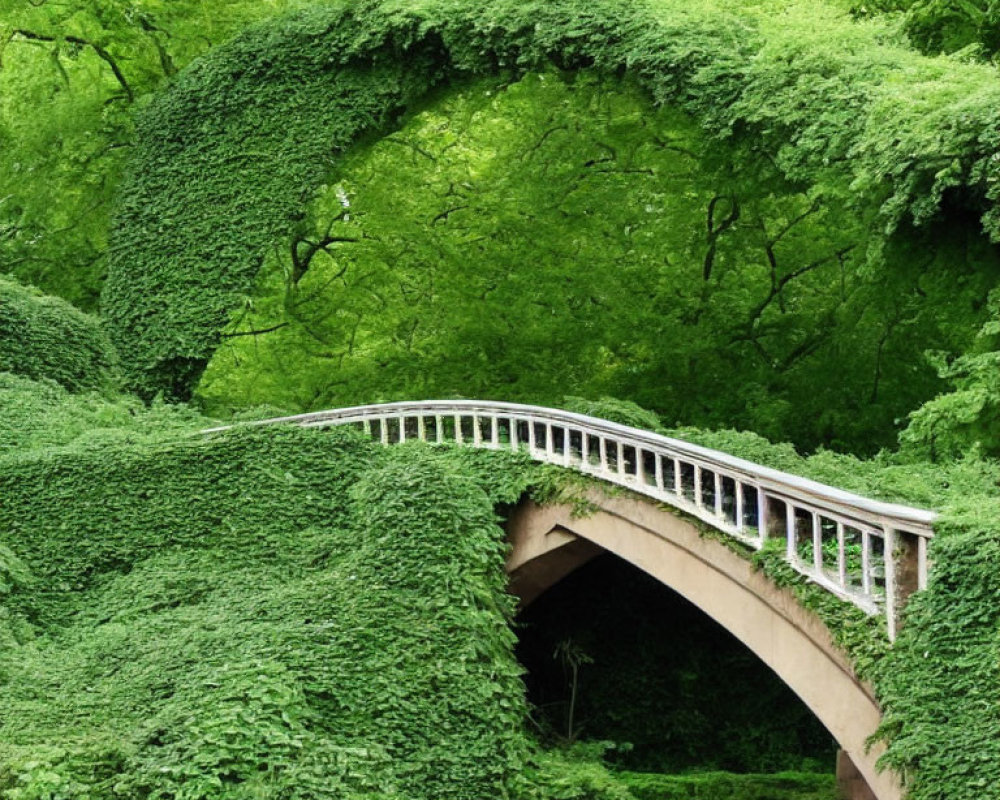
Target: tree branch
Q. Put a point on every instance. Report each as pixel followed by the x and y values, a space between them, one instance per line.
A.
pixel 101 53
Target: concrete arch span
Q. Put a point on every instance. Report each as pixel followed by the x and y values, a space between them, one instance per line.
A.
pixel 548 542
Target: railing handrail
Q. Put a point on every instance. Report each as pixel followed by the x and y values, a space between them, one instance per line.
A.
pixel 869 552
pixel 785 483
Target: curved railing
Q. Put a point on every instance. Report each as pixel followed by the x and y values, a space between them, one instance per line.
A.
pixel 871 553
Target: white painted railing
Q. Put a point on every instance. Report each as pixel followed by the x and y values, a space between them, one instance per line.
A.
pixel 868 552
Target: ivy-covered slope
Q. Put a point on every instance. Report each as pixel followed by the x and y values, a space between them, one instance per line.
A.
pixel 44 337
pixel 298 613
pixel 267 612
pixel 228 156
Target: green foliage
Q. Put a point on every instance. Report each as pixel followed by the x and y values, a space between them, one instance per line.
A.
pixel 37 414
pixel 70 76
pixel 940 683
pixel 964 420
pixel 724 786
pixel 265 612
pixel 805 95
pixel 624 412
pixel 373 297
pixel 44 337
pixel 947 26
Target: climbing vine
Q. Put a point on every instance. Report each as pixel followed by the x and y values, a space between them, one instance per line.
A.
pixel 227 157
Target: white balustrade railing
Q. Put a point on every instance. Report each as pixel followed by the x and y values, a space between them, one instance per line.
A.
pixel 868 552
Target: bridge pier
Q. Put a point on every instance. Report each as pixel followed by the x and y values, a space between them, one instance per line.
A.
pixel 851 784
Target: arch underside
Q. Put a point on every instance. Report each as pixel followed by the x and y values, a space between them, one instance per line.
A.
pixel 549 542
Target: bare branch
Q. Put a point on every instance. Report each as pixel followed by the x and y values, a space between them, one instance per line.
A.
pixel 99 51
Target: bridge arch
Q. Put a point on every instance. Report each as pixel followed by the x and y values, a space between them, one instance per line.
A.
pixel 548 542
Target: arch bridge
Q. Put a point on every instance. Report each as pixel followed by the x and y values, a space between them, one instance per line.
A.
pixel 867 552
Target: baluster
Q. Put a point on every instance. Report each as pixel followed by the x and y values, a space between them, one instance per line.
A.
pixel 477 434
pixel 620 449
pixel 438 428
pixel 531 436
pixel 841 555
pixel 738 488
pixel 791 537
pixel 402 429
pixel 658 471
pixel 604 454
pixel 384 423
pixel 817 542
pixel 494 431
pixel 367 423
pixel 678 479
pixel 718 493
pixel 697 485
pixel 550 445
pixel 640 468
pixel 458 429
pixel 514 443
pixel 421 428
pixel 567 448
pixel 585 450
pixel 866 578
pixel 762 521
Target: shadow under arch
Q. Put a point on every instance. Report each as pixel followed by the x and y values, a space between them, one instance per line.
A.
pixel 549 542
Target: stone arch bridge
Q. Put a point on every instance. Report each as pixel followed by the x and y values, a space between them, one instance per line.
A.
pixel 866 552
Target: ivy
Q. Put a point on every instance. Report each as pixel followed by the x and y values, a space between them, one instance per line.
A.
pixel 227 157
pixel 43 337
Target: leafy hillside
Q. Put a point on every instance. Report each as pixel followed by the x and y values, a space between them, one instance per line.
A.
pixel 296 612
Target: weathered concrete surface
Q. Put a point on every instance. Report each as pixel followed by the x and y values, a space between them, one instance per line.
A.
pixel 548 542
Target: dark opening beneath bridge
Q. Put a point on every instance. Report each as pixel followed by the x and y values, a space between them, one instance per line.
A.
pixel 654 671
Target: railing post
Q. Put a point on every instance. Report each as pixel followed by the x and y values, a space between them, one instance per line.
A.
pixel 384 429
pixel 494 431
pixel 678 479
pixel 603 444
pixel 567 448
pixel 421 428
pixel 550 450
pixel 718 493
pixel 512 427
pixel 531 436
pixel 697 485
pixel 902 573
pixel 477 434
pixel 402 429
pixel 585 450
pixel 620 460
pixel 458 428
pixel 439 428
pixel 658 471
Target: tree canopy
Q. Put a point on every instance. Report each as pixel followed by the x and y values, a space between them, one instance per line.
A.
pixel 909 139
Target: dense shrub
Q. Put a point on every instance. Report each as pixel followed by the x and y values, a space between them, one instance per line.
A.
pixel 44 337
